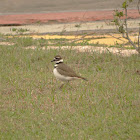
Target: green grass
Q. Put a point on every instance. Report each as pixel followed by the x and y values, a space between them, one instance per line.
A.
pixel 27 41
pixel 33 107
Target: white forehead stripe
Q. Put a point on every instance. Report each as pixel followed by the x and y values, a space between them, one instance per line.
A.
pixel 61 60
pixel 57 57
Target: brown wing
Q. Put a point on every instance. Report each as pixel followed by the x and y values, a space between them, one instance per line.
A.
pixel 66 70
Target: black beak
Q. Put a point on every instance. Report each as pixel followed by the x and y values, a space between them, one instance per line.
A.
pixel 53 60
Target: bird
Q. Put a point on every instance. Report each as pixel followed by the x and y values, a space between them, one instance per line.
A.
pixel 63 72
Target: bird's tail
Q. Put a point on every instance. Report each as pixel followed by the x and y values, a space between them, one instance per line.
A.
pixel 82 78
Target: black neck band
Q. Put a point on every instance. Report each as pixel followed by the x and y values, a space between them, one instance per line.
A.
pixel 58 62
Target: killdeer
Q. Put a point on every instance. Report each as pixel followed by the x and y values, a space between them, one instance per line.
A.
pixel 63 72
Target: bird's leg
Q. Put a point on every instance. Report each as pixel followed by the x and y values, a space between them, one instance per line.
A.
pixel 69 84
pixel 62 86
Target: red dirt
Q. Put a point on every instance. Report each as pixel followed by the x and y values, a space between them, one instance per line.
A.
pixel 20 19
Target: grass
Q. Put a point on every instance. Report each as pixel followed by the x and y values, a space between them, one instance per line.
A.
pixel 23 41
pixel 33 107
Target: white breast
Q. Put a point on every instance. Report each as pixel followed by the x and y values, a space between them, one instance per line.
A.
pixel 61 77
